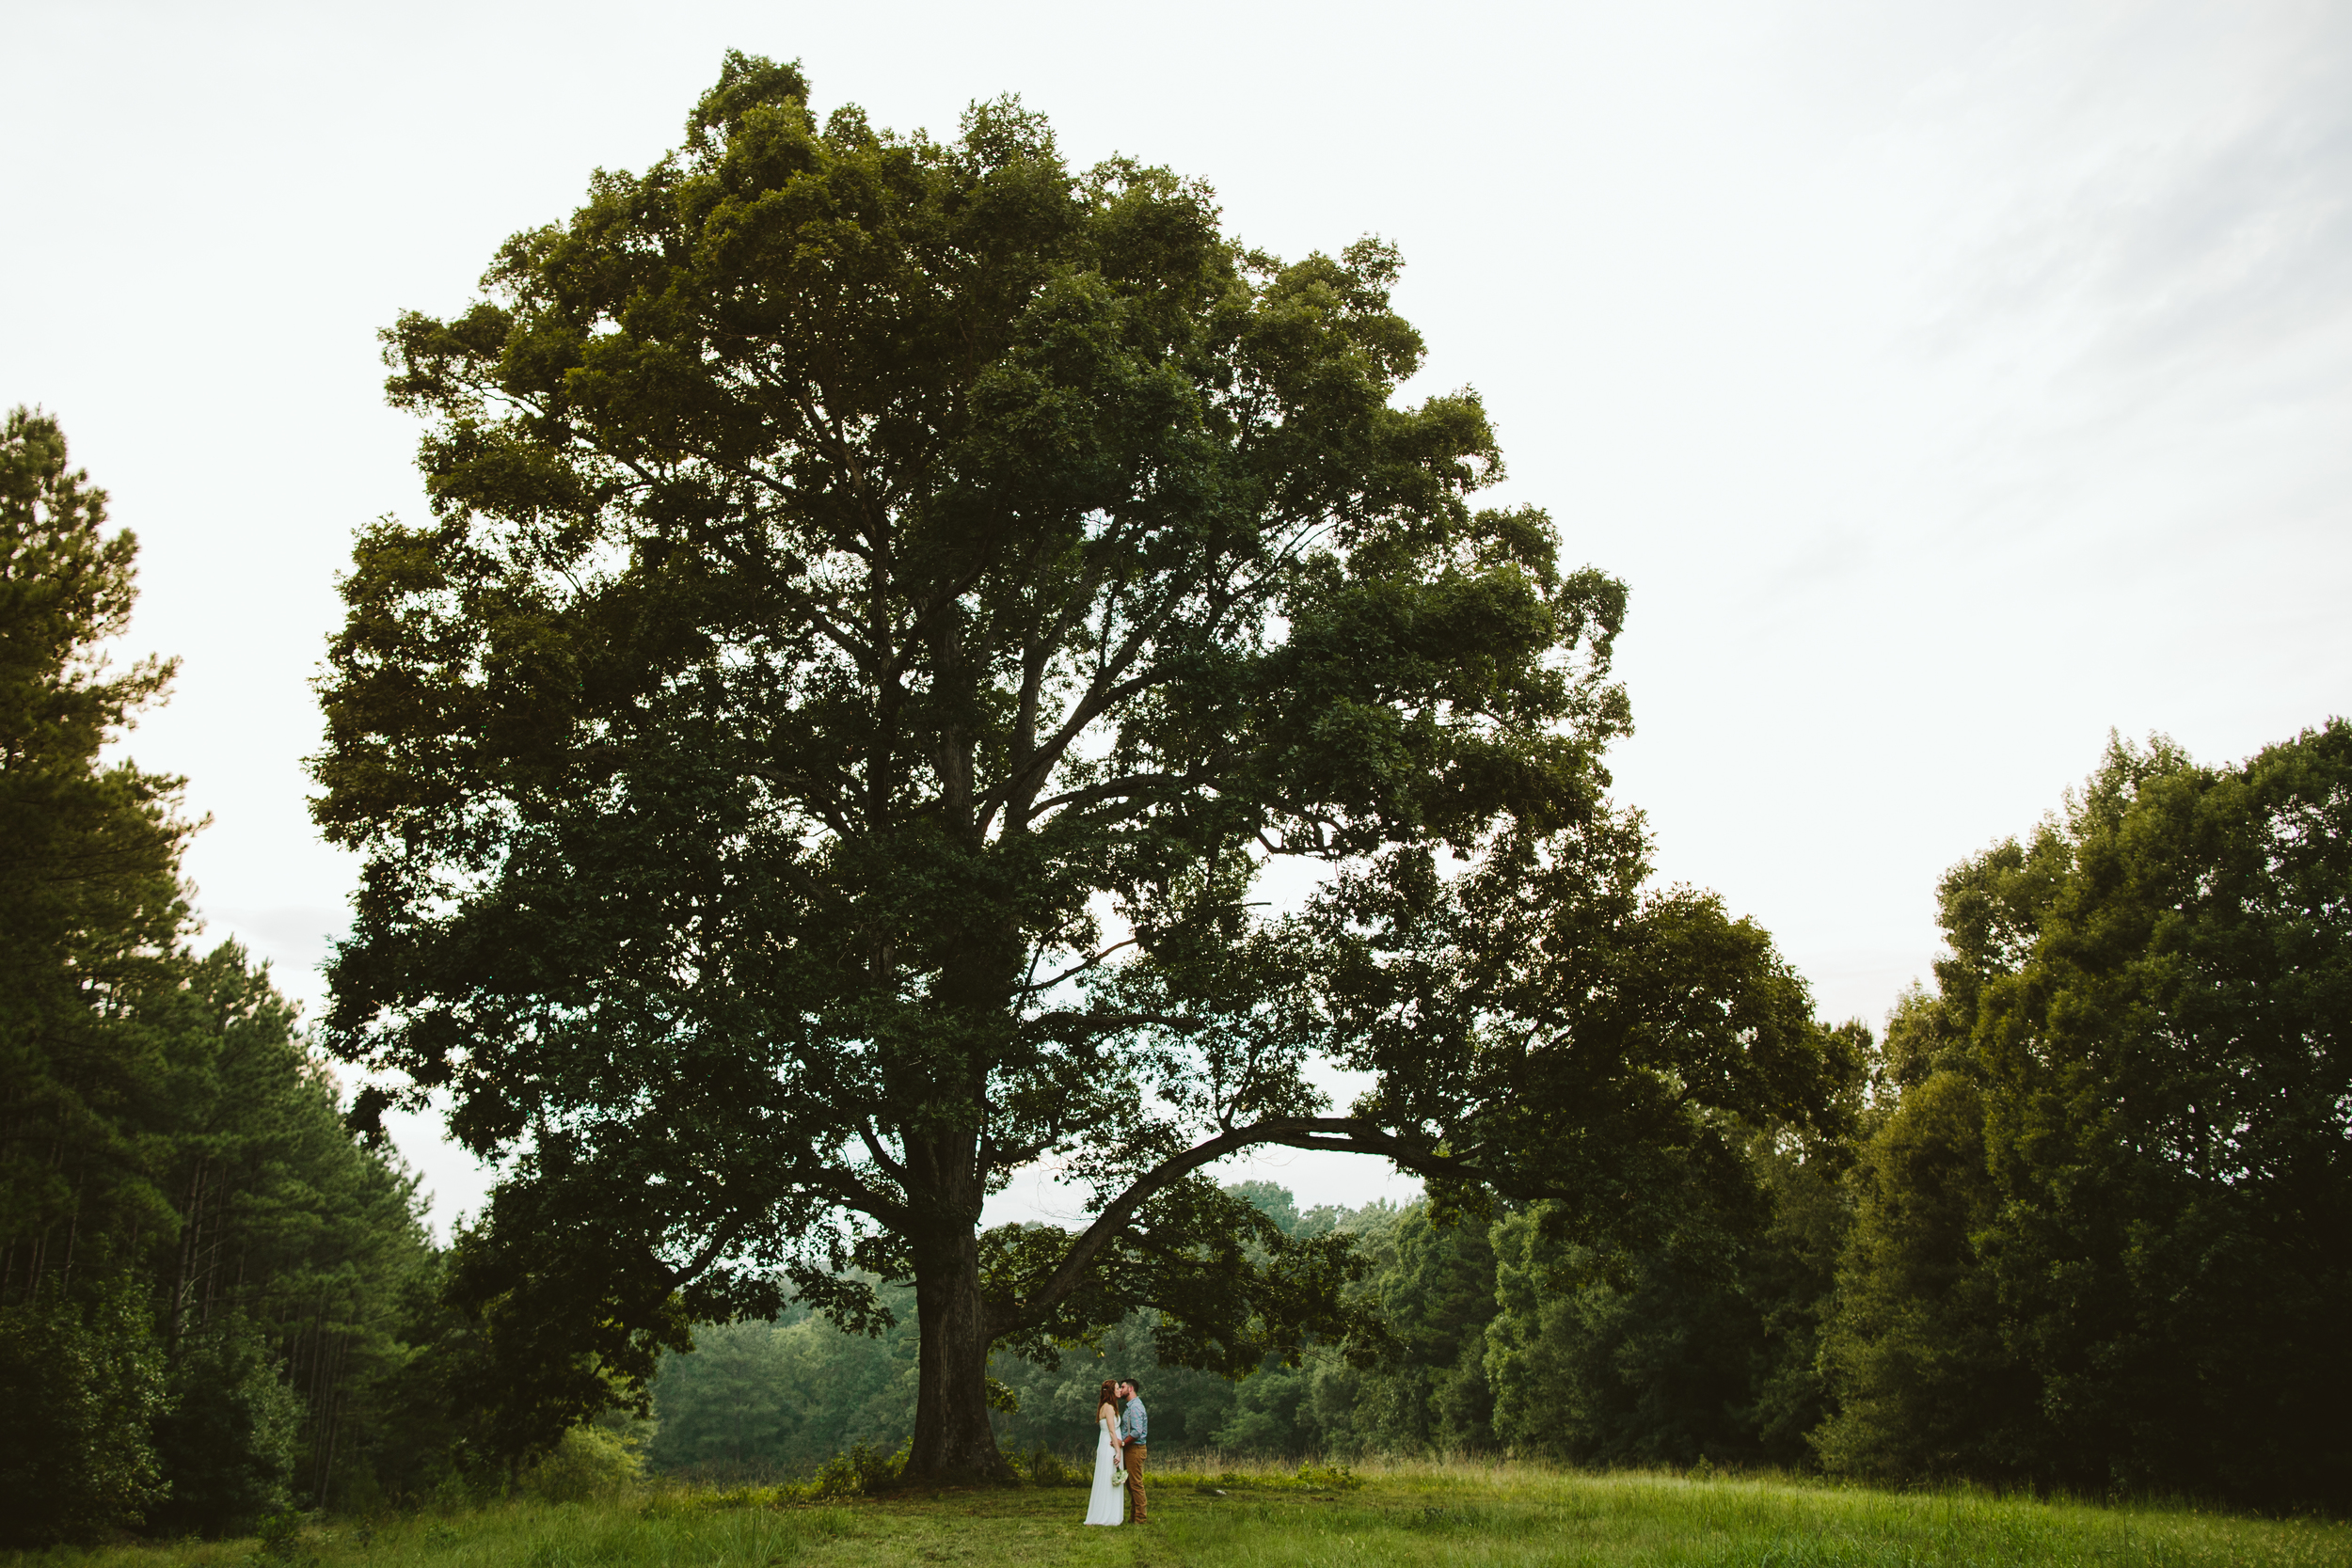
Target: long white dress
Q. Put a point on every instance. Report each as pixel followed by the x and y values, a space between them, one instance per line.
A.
pixel 1106 1504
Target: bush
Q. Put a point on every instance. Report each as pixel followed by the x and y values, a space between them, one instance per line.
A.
pixel 1328 1478
pixel 1042 1466
pixel 280 1538
pixel 590 1462
pixel 81 1386
pixel 227 1437
pixel 861 1472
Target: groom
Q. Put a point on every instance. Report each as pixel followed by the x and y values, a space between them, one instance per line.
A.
pixel 1135 1427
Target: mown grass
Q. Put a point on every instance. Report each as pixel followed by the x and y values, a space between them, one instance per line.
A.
pixel 1459 1515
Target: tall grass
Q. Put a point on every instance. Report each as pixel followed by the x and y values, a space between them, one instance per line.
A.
pixel 1471 1516
pixel 1208 1510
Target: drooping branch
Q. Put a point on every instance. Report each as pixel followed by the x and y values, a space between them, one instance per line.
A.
pixel 720 1239
pixel 1154 785
pixel 1343 1134
pixel 1092 962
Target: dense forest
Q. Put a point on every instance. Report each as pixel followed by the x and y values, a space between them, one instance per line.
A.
pixel 2079 1220
pixel 205 1279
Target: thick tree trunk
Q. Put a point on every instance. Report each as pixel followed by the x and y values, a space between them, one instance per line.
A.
pixel 953 1442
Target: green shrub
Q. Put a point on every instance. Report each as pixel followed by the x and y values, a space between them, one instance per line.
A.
pixel 678 1502
pixel 226 1437
pixel 1042 1466
pixel 280 1538
pixel 861 1473
pixel 81 1385
pixel 590 1462
pixel 1328 1478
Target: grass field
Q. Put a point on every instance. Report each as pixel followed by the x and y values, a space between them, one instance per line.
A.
pixel 1459 1515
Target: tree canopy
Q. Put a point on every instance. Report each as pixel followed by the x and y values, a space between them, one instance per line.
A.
pixel 887 603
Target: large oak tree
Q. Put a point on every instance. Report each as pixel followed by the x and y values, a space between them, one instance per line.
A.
pixel 887 603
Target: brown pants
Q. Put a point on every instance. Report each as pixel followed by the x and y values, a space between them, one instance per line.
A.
pixel 1134 1455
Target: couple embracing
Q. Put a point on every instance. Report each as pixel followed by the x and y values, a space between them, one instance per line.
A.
pixel 1119 1451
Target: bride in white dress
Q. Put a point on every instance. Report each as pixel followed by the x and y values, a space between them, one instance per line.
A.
pixel 1105 1505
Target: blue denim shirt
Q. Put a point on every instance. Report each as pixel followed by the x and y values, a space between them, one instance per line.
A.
pixel 1134 1423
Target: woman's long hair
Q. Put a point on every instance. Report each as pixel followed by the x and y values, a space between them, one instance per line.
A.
pixel 1108 1395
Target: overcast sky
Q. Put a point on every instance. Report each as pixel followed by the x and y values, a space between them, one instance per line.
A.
pixel 1951 383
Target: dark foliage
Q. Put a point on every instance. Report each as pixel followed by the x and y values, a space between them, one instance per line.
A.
pixel 82 1382
pixel 198 1264
pixel 2102 1235
pixel 227 1435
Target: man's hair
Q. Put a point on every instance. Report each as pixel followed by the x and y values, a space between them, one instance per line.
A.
pixel 1132 1383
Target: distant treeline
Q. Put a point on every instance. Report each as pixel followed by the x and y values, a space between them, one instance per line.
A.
pixel 1471 1307
pixel 2093 1228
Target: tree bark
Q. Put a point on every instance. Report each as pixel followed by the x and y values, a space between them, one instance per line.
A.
pixel 953 1441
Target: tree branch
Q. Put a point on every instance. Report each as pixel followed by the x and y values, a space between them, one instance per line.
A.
pixel 896 1171
pixel 1346 1134
pixel 1031 988
pixel 721 1240
pixel 1133 783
